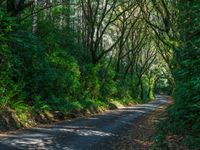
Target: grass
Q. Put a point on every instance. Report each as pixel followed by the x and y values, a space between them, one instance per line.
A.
pixel 27 116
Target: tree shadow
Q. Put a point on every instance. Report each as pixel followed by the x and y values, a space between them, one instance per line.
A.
pixel 80 134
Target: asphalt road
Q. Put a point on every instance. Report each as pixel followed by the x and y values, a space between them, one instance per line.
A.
pixel 88 133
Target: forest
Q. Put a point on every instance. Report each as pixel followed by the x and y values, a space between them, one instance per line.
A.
pixel 80 56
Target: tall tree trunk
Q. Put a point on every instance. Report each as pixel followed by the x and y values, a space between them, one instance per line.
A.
pixel 35 17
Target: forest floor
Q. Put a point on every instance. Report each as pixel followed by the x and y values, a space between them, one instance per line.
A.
pixel 125 128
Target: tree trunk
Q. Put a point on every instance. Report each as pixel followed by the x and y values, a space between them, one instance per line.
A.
pixel 35 17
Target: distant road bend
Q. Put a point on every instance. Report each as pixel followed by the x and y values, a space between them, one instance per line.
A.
pixel 88 133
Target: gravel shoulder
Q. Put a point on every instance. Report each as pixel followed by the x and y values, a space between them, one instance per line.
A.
pixel 88 133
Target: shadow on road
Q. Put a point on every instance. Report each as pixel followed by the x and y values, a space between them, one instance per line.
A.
pixel 79 134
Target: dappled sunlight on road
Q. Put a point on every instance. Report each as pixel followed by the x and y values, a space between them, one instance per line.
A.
pixel 79 134
pixel 46 138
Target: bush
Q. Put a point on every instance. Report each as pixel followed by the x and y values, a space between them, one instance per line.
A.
pixel 108 87
pixel 90 81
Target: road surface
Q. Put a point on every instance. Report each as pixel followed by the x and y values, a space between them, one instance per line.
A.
pixel 89 133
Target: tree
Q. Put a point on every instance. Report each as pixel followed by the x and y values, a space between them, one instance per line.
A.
pixel 183 116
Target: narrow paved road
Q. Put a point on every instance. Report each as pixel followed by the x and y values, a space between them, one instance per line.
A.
pixel 89 133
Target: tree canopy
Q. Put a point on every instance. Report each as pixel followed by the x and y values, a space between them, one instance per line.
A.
pixel 74 55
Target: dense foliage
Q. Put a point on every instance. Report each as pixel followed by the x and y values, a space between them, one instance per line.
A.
pixel 71 56
pixel 78 55
pixel 182 121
